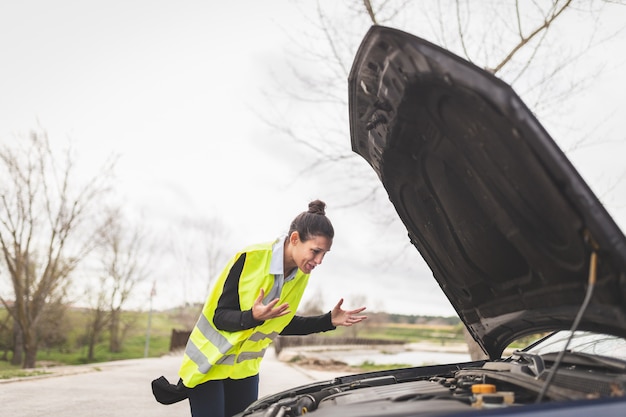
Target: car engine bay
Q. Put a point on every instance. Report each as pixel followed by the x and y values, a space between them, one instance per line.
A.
pixel 451 389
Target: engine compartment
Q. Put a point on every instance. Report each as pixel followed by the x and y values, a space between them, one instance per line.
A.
pixel 451 389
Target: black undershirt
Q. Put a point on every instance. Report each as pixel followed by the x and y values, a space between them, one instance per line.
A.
pixel 229 317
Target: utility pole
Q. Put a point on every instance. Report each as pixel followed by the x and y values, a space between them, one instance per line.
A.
pixel 147 347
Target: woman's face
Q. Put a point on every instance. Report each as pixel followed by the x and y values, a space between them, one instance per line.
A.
pixel 307 255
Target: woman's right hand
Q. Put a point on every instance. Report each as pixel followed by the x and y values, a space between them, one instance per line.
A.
pixel 262 312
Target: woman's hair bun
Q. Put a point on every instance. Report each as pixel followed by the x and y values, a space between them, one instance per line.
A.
pixel 312 222
pixel 317 207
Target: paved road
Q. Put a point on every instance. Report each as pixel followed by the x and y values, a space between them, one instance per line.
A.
pixel 122 389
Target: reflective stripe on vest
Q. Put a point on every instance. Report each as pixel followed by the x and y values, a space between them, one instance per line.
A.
pixel 257 336
pixel 216 339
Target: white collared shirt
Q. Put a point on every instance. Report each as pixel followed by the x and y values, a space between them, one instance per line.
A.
pixel 277 268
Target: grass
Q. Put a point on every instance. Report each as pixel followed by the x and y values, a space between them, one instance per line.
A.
pixel 20 373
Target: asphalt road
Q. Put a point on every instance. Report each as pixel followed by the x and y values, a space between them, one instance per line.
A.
pixel 122 388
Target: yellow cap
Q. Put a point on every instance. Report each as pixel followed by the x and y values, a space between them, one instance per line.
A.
pixel 483 389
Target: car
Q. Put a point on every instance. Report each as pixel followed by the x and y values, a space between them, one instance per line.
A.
pixel 515 238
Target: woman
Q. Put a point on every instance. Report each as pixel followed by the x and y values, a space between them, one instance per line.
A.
pixel 254 300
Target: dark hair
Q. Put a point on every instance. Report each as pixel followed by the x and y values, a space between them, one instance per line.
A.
pixel 312 222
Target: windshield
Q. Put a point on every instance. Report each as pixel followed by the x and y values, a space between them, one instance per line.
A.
pixel 582 342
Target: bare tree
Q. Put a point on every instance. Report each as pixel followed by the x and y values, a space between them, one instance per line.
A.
pixel 125 263
pixel 198 245
pixel 313 305
pixel 46 229
pixel 358 300
pixel 53 329
pixel 98 317
pixel 6 333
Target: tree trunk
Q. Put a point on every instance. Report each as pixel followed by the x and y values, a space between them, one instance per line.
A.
pixel 114 330
pixel 30 358
pixel 91 348
pixel 94 330
pixel 474 349
pixel 30 349
pixel 18 344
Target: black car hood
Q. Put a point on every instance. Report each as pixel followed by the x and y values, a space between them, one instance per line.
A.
pixel 500 215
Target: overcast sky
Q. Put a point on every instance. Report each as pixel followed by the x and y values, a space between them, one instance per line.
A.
pixel 174 89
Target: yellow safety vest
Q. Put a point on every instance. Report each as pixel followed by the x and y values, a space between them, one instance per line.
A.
pixel 213 354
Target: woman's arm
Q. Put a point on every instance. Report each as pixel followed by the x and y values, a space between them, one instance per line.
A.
pixel 336 317
pixel 299 325
pixel 228 315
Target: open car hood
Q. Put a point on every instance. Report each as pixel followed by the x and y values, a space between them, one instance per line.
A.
pixel 500 215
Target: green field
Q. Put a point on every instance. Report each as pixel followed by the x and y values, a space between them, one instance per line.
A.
pixel 73 350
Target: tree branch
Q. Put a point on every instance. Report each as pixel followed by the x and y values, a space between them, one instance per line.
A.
pixel 524 40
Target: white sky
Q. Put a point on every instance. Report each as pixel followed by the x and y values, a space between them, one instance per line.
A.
pixel 173 88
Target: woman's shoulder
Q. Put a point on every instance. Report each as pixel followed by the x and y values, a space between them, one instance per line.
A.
pixel 258 247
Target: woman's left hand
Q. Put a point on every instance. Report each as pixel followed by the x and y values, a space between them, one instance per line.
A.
pixel 341 317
